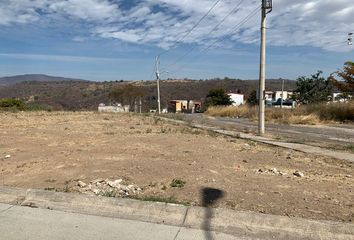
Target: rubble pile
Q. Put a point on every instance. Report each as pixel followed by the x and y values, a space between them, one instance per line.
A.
pixel 272 171
pixel 109 188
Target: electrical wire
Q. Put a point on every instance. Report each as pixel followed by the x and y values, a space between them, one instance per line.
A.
pixel 191 30
pixel 234 10
pixel 234 30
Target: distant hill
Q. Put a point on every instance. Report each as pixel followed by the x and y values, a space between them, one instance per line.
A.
pixel 71 94
pixel 33 77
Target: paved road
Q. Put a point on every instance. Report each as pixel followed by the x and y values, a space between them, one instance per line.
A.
pixel 19 223
pixel 329 135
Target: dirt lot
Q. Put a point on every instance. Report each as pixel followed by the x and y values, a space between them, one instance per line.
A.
pixel 56 150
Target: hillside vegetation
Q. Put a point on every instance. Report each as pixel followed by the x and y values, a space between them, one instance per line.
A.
pixel 85 95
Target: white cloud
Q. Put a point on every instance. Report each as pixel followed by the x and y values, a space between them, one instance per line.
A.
pixel 316 23
pixel 90 10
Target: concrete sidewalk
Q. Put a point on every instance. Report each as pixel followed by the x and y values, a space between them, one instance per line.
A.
pixel 59 213
pixel 18 223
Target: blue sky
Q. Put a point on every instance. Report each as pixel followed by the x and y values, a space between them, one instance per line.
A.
pixel 119 39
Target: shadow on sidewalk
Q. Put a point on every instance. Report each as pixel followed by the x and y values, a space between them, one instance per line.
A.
pixel 209 196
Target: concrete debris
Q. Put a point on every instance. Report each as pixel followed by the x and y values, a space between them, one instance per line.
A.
pixel 298 174
pixel 7 156
pixel 246 146
pixel 272 171
pixel 106 187
pixel 115 184
pixel 81 184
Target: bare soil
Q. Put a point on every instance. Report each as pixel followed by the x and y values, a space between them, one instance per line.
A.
pixel 55 150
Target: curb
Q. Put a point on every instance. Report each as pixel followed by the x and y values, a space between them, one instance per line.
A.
pixel 237 223
pixel 293 146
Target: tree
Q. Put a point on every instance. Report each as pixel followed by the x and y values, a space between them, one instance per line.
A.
pixel 217 97
pixel 313 89
pixel 252 98
pixel 126 94
pixel 346 84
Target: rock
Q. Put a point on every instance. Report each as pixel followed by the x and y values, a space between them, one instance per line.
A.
pixel 81 184
pixel 246 146
pixel 96 191
pixel 348 176
pixel 115 183
pixel 274 170
pixel 7 156
pixel 298 174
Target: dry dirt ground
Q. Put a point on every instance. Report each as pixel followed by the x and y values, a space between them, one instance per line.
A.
pixel 55 150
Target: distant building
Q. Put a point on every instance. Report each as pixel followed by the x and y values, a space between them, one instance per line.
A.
pixel 268 95
pixel 238 99
pixel 184 106
pixel 340 97
pixel 115 108
pixel 278 94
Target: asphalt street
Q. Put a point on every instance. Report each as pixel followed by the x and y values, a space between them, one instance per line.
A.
pixel 322 135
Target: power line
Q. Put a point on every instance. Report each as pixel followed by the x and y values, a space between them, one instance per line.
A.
pixel 234 10
pixel 191 30
pixel 234 30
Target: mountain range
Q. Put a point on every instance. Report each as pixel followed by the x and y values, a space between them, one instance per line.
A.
pixel 4 81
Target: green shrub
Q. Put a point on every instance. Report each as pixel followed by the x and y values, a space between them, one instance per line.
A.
pixel 178 183
pixel 11 104
pixel 38 107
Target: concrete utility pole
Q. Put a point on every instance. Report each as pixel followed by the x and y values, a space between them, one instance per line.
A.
pixel 158 84
pixel 282 93
pixel 266 8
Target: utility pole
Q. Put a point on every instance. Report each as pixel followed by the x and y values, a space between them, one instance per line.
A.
pixel 157 63
pixel 266 8
pixel 282 93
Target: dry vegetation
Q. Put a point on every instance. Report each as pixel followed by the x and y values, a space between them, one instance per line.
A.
pixel 306 114
pixel 83 95
pixel 54 150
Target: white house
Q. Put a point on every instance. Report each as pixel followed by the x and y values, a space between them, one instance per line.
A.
pixel 238 99
pixel 116 108
pixel 278 94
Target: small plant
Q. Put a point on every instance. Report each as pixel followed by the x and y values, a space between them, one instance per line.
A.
pixel 211 133
pixel 50 180
pixel 66 188
pixel 178 183
pixel 350 148
pixel 156 121
pixel 149 130
pixel 109 193
pixel 38 107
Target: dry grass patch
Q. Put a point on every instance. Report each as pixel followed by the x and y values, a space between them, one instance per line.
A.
pixel 232 111
pixel 306 114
